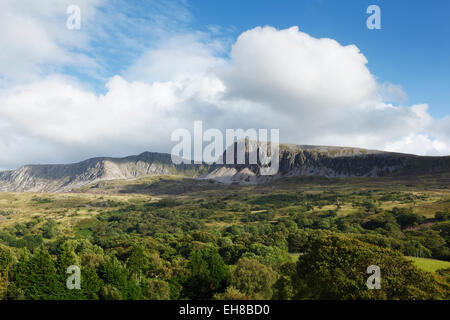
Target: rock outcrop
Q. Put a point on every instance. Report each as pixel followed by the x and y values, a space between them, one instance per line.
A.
pixel 294 160
pixel 340 162
pixel 66 177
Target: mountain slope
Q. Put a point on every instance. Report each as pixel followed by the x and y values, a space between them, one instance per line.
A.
pixel 326 161
pixel 294 160
pixel 65 177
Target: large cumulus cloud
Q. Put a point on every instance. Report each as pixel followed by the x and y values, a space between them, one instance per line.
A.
pixel 316 91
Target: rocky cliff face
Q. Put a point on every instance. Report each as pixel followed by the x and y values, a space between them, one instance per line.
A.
pixel 65 177
pixel 294 160
pixel 297 160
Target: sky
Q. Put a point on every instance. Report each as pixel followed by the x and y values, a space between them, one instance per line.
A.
pixel 135 71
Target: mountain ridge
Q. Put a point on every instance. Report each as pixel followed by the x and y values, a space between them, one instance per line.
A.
pixel 65 177
pixel 294 160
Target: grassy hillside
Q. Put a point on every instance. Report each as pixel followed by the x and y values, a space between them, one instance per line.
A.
pixel 431 265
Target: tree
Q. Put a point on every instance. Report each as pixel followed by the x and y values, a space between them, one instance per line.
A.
pixel 268 255
pixel 335 268
pixel 156 290
pixel 406 217
pixel 6 258
pixel 442 216
pixel 36 276
pixel 110 292
pixel 297 241
pixel 115 275
pixel 283 289
pixel 179 273
pixel 253 279
pixel 232 253
pixel 203 236
pixel 209 274
pixel 156 265
pixel 91 284
pixel 138 262
pixel 231 293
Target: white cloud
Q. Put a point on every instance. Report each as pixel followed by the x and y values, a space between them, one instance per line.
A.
pixel 36 42
pixel 315 91
pixel 293 70
pixel 416 141
pixel 392 93
pixel 180 55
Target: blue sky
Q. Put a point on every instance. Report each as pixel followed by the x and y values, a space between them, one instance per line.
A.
pixel 137 70
pixel 412 48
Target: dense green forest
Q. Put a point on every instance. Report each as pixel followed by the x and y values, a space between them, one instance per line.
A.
pixel 249 242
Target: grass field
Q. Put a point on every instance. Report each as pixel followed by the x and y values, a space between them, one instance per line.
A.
pixel 68 209
pixel 431 265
